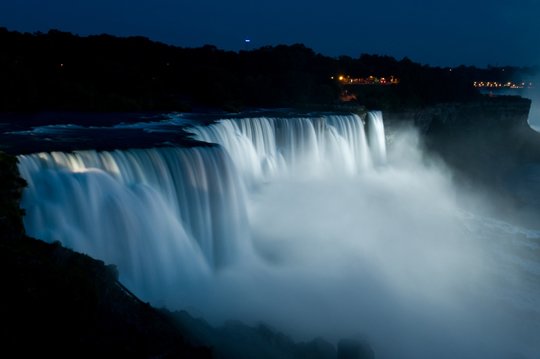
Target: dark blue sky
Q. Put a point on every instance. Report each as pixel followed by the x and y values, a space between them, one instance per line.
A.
pixel 476 32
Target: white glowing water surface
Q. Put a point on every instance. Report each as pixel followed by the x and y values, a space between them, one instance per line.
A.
pixel 302 222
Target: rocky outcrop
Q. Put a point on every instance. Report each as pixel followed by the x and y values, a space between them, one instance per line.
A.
pixel 235 340
pixel 58 303
pixel 473 137
pixel 487 112
pixel 11 187
pixel 354 349
pixel 486 142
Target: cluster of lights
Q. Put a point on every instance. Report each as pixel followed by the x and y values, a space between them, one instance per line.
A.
pixel 371 80
pixel 509 84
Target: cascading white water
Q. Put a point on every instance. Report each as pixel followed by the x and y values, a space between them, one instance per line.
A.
pixel 263 148
pixel 293 221
pixel 155 213
pixel 194 194
pixel 377 140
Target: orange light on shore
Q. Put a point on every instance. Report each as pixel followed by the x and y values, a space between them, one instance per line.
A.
pixel 371 80
pixel 507 84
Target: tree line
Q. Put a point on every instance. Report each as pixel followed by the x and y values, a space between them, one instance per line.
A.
pixel 60 71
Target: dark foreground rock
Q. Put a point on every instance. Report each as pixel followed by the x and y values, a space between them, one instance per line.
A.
pixel 354 349
pixel 236 340
pixel 59 303
pixel 11 187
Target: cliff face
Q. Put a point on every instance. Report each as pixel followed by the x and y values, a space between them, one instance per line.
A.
pixel 60 303
pixel 487 143
pixel 487 112
pixel 11 187
pixel 491 128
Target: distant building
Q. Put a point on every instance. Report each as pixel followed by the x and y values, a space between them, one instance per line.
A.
pixel 370 80
pixel 346 96
pixel 502 85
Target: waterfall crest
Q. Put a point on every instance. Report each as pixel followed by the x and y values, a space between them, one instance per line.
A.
pixel 163 212
pixel 263 148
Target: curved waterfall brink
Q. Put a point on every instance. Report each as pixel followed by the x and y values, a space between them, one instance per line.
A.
pixel 159 212
pixel 263 147
pixel 156 212
pixel 152 212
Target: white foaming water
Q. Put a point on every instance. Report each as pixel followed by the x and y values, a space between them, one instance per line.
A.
pixel 263 148
pixel 159 214
pixel 324 241
pixel 376 137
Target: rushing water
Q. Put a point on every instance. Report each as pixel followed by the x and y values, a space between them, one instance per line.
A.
pixel 303 222
pixel 263 148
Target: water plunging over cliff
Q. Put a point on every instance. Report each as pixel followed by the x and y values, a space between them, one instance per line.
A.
pixel 151 211
pixel 300 221
pixel 263 148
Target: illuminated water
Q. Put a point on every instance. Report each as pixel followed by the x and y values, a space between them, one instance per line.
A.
pixel 307 223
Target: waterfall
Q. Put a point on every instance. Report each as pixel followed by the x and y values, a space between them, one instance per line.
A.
pixel 163 212
pixel 153 212
pixel 299 222
pixel 263 148
pixel 170 205
pixel 376 136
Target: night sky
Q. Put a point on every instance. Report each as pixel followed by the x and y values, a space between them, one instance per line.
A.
pixel 472 32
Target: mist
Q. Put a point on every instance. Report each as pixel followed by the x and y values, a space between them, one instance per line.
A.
pixel 388 256
pixel 383 253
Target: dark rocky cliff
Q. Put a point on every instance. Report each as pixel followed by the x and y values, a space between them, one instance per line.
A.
pixel 487 143
pixel 58 303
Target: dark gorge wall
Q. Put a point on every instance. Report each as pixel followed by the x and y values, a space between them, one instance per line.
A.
pixel 11 187
pixel 485 142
